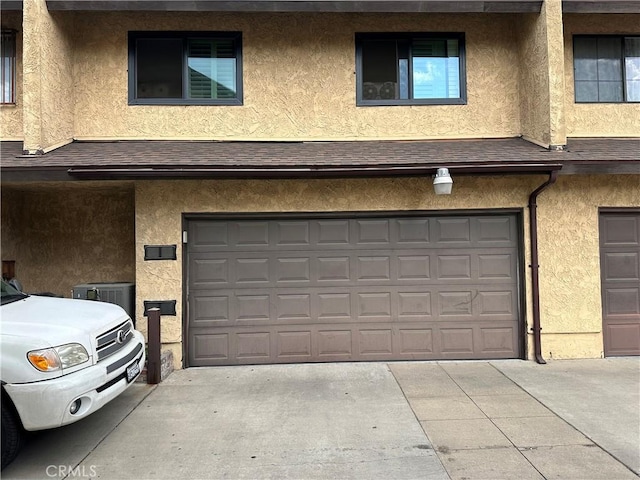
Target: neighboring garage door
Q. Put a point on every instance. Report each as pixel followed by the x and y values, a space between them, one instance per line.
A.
pixel 352 289
pixel 620 270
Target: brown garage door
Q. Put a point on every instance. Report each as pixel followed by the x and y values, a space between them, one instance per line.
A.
pixel 352 289
pixel 620 270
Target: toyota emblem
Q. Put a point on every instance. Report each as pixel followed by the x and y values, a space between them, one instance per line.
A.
pixel 121 336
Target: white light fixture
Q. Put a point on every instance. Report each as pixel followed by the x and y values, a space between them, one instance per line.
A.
pixel 442 182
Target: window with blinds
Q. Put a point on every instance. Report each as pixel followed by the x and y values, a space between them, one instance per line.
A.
pixel 8 68
pixel 606 68
pixel 410 69
pixel 185 68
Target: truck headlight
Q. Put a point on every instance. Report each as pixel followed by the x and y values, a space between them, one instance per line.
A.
pixel 57 358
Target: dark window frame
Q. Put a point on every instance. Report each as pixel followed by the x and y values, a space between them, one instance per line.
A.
pixel 185 36
pixel 621 37
pixel 410 36
pixel 10 47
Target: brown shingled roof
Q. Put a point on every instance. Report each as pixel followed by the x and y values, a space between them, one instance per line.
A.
pixel 169 158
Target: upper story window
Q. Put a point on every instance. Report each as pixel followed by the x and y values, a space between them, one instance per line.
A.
pixel 185 68
pixel 606 68
pixel 410 69
pixel 8 72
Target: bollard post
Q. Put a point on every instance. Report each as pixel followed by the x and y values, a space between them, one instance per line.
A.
pixel 154 345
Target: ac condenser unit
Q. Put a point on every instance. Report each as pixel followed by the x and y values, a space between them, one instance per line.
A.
pixel 120 293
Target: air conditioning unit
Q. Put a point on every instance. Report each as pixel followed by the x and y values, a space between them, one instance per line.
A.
pixel 120 293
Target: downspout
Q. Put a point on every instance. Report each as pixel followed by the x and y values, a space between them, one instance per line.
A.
pixel 535 283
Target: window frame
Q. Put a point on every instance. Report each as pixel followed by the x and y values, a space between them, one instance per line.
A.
pixel 12 67
pixel 621 37
pixel 360 37
pixel 185 36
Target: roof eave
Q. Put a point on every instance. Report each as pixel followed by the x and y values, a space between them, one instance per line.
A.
pixel 341 6
pixel 148 173
pixel 600 6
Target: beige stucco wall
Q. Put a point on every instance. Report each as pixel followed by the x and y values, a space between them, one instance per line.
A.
pixel 571 316
pixel 11 115
pixel 61 235
pixel 569 251
pixel 48 78
pixel 593 119
pixel 159 208
pixel 542 76
pixel 299 79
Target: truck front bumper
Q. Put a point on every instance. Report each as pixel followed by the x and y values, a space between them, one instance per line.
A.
pixel 48 404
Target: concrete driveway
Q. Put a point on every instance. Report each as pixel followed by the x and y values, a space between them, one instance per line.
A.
pixel 428 420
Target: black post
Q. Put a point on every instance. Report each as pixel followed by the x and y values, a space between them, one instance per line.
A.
pixel 154 344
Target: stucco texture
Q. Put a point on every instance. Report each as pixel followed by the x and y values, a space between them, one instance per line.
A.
pixel 541 75
pixel 11 115
pixel 299 79
pixel 48 73
pixel 160 205
pixel 598 119
pixel 571 314
pixel 569 252
pixel 61 235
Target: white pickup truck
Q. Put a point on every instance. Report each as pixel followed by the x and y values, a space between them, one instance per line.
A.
pixel 62 359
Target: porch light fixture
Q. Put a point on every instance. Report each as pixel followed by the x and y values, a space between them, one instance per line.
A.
pixel 442 182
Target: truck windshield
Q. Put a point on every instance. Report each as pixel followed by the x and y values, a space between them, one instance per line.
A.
pixel 10 294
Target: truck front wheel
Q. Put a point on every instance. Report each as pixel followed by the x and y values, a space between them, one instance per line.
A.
pixel 12 435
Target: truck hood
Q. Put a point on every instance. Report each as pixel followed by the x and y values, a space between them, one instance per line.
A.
pixel 66 319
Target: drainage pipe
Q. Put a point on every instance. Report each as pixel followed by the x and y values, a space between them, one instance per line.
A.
pixel 535 283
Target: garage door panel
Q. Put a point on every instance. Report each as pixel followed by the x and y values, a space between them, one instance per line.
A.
pixel 254 346
pixel 496 231
pixel 293 307
pixel 620 282
pixel 412 268
pixel 333 269
pixel 206 235
pixel 209 348
pixel 497 340
pixel 294 345
pixel 456 341
pixel 622 266
pixel 292 270
pixel 335 344
pixel 373 306
pixel 496 266
pixel 372 232
pixel 209 272
pixel 251 271
pixel 619 230
pixel 296 290
pixel 254 309
pixel 211 311
pixel 415 342
pixel 292 233
pixel 622 301
pixel 414 305
pixel 334 307
pixel 454 267
pixel 333 233
pixel 412 231
pixel 497 304
pixel 250 234
pixel 375 343
pixel 624 338
pixel 453 231
pixel 355 343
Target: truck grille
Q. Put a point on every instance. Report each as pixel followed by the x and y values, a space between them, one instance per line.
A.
pixel 114 339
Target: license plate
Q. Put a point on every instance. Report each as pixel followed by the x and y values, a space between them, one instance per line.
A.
pixel 133 371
